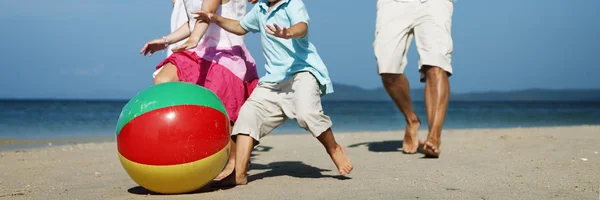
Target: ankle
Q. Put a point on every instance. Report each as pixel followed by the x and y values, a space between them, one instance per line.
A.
pixel 333 149
pixel 413 120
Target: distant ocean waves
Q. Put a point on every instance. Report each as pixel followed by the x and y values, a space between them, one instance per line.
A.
pixel 55 120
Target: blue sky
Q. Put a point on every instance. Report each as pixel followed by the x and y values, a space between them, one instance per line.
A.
pixel 89 49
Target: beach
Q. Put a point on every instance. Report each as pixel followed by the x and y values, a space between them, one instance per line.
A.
pixel 509 163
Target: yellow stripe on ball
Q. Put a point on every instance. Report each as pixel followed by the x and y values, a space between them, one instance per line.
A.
pixel 182 178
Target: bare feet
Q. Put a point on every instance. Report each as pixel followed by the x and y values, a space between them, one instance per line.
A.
pixel 340 159
pixel 226 171
pixel 431 148
pixel 229 169
pixel 231 180
pixel 411 143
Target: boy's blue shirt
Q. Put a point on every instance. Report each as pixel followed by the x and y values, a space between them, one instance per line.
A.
pixel 286 57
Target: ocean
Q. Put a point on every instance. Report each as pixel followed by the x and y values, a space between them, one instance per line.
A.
pixel 78 120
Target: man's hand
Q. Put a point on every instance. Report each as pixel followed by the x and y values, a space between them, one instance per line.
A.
pixel 204 16
pixel 278 32
pixel 154 46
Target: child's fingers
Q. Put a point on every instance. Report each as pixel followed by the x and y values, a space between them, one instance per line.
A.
pixel 270 29
pixel 277 29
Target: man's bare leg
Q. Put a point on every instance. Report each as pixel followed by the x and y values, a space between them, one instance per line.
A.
pixel 244 144
pixel 398 88
pixel 336 152
pixel 437 92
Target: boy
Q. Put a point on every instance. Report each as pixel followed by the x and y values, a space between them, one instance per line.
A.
pixel 292 88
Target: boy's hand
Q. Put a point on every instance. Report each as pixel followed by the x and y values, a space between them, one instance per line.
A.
pixel 185 46
pixel 277 32
pixel 154 46
pixel 204 16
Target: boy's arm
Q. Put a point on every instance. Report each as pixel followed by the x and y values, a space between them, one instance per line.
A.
pixel 249 23
pixel 298 17
pixel 298 30
pixel 230 25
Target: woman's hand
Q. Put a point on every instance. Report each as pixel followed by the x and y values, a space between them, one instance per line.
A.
pixel 185 46
pixel 154 46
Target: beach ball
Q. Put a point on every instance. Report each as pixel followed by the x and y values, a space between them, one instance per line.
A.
pixel 173 137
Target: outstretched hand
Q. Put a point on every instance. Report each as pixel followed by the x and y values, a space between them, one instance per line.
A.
pixel 154 46
pixel 278 32
pixel 204 16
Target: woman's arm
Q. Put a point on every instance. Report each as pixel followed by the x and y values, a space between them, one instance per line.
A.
pixel 200 26
pixel 209 6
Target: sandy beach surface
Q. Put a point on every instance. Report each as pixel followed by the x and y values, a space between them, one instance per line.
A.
pixel 518 163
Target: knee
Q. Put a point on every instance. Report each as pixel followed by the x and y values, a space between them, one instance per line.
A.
pixel 390 79
pixel 161 79
pixel 434 72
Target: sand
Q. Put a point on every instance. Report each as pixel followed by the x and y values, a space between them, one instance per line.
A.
pixel 519 163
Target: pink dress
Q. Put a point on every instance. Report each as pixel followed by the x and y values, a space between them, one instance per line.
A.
pixel 221 62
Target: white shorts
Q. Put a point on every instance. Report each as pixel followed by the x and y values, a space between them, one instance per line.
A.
pixel 398 22
pixel 269 105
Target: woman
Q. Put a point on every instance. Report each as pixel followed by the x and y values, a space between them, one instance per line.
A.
pixel 207 56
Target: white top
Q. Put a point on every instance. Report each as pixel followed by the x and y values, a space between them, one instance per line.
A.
pixel 214 36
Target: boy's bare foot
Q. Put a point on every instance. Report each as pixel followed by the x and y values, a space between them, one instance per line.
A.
pixel 226 171
pixel 231 180
pixel 340 159
pixel 430 147
pixel 411 142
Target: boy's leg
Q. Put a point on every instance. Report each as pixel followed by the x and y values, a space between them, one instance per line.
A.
pixel 305 107
pixel 336 152
pixel 230 163
pixel 258 117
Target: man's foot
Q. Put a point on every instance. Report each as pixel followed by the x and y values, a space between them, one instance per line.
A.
pixel 340 159
pixel 231 180
pixel 411 142
pixel 431 148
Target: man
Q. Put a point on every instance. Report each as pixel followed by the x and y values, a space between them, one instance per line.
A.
pixel 429 21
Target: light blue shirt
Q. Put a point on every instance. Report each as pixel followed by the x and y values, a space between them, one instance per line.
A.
pixel 286 57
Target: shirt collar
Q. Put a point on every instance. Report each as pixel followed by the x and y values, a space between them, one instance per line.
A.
pixel 264 4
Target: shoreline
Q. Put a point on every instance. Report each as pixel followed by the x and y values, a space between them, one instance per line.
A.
pixel 11 144
pixel 515 163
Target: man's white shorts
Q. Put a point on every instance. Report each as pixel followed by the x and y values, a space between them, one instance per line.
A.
pixel 399 21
